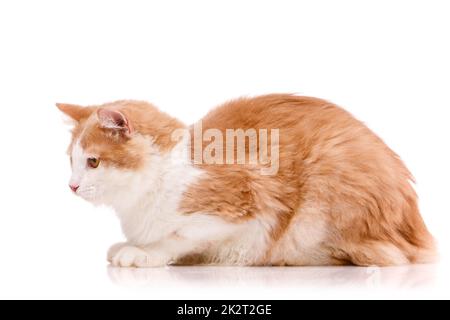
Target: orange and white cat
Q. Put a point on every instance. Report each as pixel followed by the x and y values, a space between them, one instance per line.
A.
pixel 336 195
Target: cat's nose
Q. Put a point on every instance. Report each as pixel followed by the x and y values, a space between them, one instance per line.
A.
pixel 73 187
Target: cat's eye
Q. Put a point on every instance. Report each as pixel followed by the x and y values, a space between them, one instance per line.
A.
pixel 93 162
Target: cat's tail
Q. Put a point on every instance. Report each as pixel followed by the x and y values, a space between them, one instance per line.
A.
pixel 407 241
pixel 419 245
pixel 425 256
pixel 426 253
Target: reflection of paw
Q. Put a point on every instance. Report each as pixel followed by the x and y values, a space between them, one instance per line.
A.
pixel 114 249
pixel 129 256
pixel 141 277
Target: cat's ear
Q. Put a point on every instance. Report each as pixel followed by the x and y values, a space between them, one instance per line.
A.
pixel 115 120
pixel 75 112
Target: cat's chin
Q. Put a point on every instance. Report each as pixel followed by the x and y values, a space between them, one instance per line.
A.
pixel 97 202
pixel 91 198
pixel 104 200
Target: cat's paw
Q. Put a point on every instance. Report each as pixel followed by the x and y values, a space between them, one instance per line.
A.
pixel 129 256
pixel 114 249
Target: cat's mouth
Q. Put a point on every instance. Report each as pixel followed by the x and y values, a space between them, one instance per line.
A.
pixel 88 193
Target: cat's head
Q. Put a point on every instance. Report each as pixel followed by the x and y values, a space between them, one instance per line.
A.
pixel 112 145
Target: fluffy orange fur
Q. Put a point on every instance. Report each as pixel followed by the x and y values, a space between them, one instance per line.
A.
pixel 329 161
pixel 333 172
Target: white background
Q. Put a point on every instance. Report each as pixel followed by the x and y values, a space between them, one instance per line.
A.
pixel 385 61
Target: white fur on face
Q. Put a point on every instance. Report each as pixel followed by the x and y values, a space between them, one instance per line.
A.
pixel 100 185
pixel 82 175
pixel 110 185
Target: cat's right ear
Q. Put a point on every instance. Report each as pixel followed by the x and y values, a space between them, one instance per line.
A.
pixel 75 112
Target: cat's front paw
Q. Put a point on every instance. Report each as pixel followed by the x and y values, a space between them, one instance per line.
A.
pixel 129 256
pixel 114 250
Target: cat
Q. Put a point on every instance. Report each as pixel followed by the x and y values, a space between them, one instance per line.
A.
pixel 336 194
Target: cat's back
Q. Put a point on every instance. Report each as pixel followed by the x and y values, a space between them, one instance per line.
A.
pixel 309 128
pixel 282 111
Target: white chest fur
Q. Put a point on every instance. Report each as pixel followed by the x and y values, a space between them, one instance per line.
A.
pixel 152 210
pixel 151 216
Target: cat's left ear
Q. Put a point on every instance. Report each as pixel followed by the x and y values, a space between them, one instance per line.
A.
pixel 75 112
pixel 115 120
